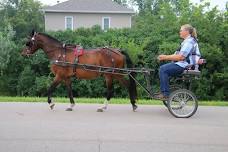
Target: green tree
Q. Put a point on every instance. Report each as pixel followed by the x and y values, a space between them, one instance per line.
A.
pixel 7 46
pixel 23 15
pixel 28 16
pixel 155 31
pixel 26 82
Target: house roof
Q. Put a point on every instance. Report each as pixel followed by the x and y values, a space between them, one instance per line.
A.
pixel 89 6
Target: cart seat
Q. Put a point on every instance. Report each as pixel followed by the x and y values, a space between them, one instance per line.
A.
pixel 194 72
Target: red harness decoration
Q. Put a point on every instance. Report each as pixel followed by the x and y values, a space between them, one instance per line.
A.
pixel 78 51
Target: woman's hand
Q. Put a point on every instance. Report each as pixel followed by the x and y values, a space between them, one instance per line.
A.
pixel 162 57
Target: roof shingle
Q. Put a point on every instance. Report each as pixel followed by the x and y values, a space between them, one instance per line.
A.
pixel 89 6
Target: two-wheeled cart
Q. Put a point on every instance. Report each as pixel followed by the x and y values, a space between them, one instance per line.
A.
pixel 182 102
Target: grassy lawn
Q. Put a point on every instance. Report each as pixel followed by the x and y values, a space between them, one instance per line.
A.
pixel 100 100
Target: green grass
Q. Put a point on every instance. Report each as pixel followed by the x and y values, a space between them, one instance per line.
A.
pixel 100 100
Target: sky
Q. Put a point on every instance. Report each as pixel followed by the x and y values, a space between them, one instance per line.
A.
pixel 220 3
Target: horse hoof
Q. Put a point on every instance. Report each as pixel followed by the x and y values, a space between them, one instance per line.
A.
pixel 69 109
pixel 135 108
pixel 52 106
pixel 100 110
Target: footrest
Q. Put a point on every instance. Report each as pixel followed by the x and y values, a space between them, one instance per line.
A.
pixel 191 72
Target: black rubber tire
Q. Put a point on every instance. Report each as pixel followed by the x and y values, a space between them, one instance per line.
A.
pixel 181 98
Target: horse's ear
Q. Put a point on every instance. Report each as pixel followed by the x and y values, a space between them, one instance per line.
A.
pixel 32 33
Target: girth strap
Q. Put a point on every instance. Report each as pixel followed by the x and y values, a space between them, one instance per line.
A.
pixel 62 53
pixel 78 51
pixel 109 54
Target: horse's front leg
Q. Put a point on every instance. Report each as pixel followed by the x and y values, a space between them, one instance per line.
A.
pixel 54 84
pixel 70 94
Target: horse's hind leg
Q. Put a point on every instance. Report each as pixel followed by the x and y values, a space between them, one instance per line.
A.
pixel 54 84
pixel 109 93
pixel 70 94
pixel 126 83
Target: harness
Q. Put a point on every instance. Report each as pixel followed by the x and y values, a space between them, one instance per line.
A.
pixel 78 51
pixel 110 55
pixel 62 53
pixel 194 55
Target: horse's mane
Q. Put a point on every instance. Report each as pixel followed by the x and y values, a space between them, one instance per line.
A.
pixel 51 38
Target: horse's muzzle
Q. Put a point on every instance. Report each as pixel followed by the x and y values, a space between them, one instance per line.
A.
pixel 26 52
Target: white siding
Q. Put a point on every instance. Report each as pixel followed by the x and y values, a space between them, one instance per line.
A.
pixel 56 21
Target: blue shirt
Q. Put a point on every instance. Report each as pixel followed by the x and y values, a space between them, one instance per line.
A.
pixel 187 47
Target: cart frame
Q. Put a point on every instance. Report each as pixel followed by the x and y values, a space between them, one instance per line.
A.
pixel 182 102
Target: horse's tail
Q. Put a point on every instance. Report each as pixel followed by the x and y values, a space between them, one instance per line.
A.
pixel 132 85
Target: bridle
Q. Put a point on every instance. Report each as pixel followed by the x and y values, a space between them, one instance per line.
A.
pixel 30 44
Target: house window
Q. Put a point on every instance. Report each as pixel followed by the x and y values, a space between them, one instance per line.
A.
pixel 69 22
pixel 105 23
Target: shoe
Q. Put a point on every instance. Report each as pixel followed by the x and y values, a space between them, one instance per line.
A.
pixel 160 96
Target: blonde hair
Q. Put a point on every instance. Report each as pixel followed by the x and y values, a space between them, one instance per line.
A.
pixel 190 29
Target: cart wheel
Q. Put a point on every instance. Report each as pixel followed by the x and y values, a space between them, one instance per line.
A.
pixel 172 89
pixel 182 103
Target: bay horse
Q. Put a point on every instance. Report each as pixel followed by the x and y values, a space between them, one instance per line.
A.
pixel 107 57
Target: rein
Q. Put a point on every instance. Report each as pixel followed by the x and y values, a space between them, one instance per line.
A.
pixel 111 50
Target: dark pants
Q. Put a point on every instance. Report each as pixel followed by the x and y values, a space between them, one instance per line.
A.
pixel 165 72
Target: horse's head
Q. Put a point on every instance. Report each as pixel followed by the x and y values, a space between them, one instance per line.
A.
pixel 32 44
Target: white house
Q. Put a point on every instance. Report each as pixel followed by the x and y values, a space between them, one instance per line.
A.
pixel 74 14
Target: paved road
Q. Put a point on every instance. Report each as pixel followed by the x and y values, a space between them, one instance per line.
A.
pixel 32 127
